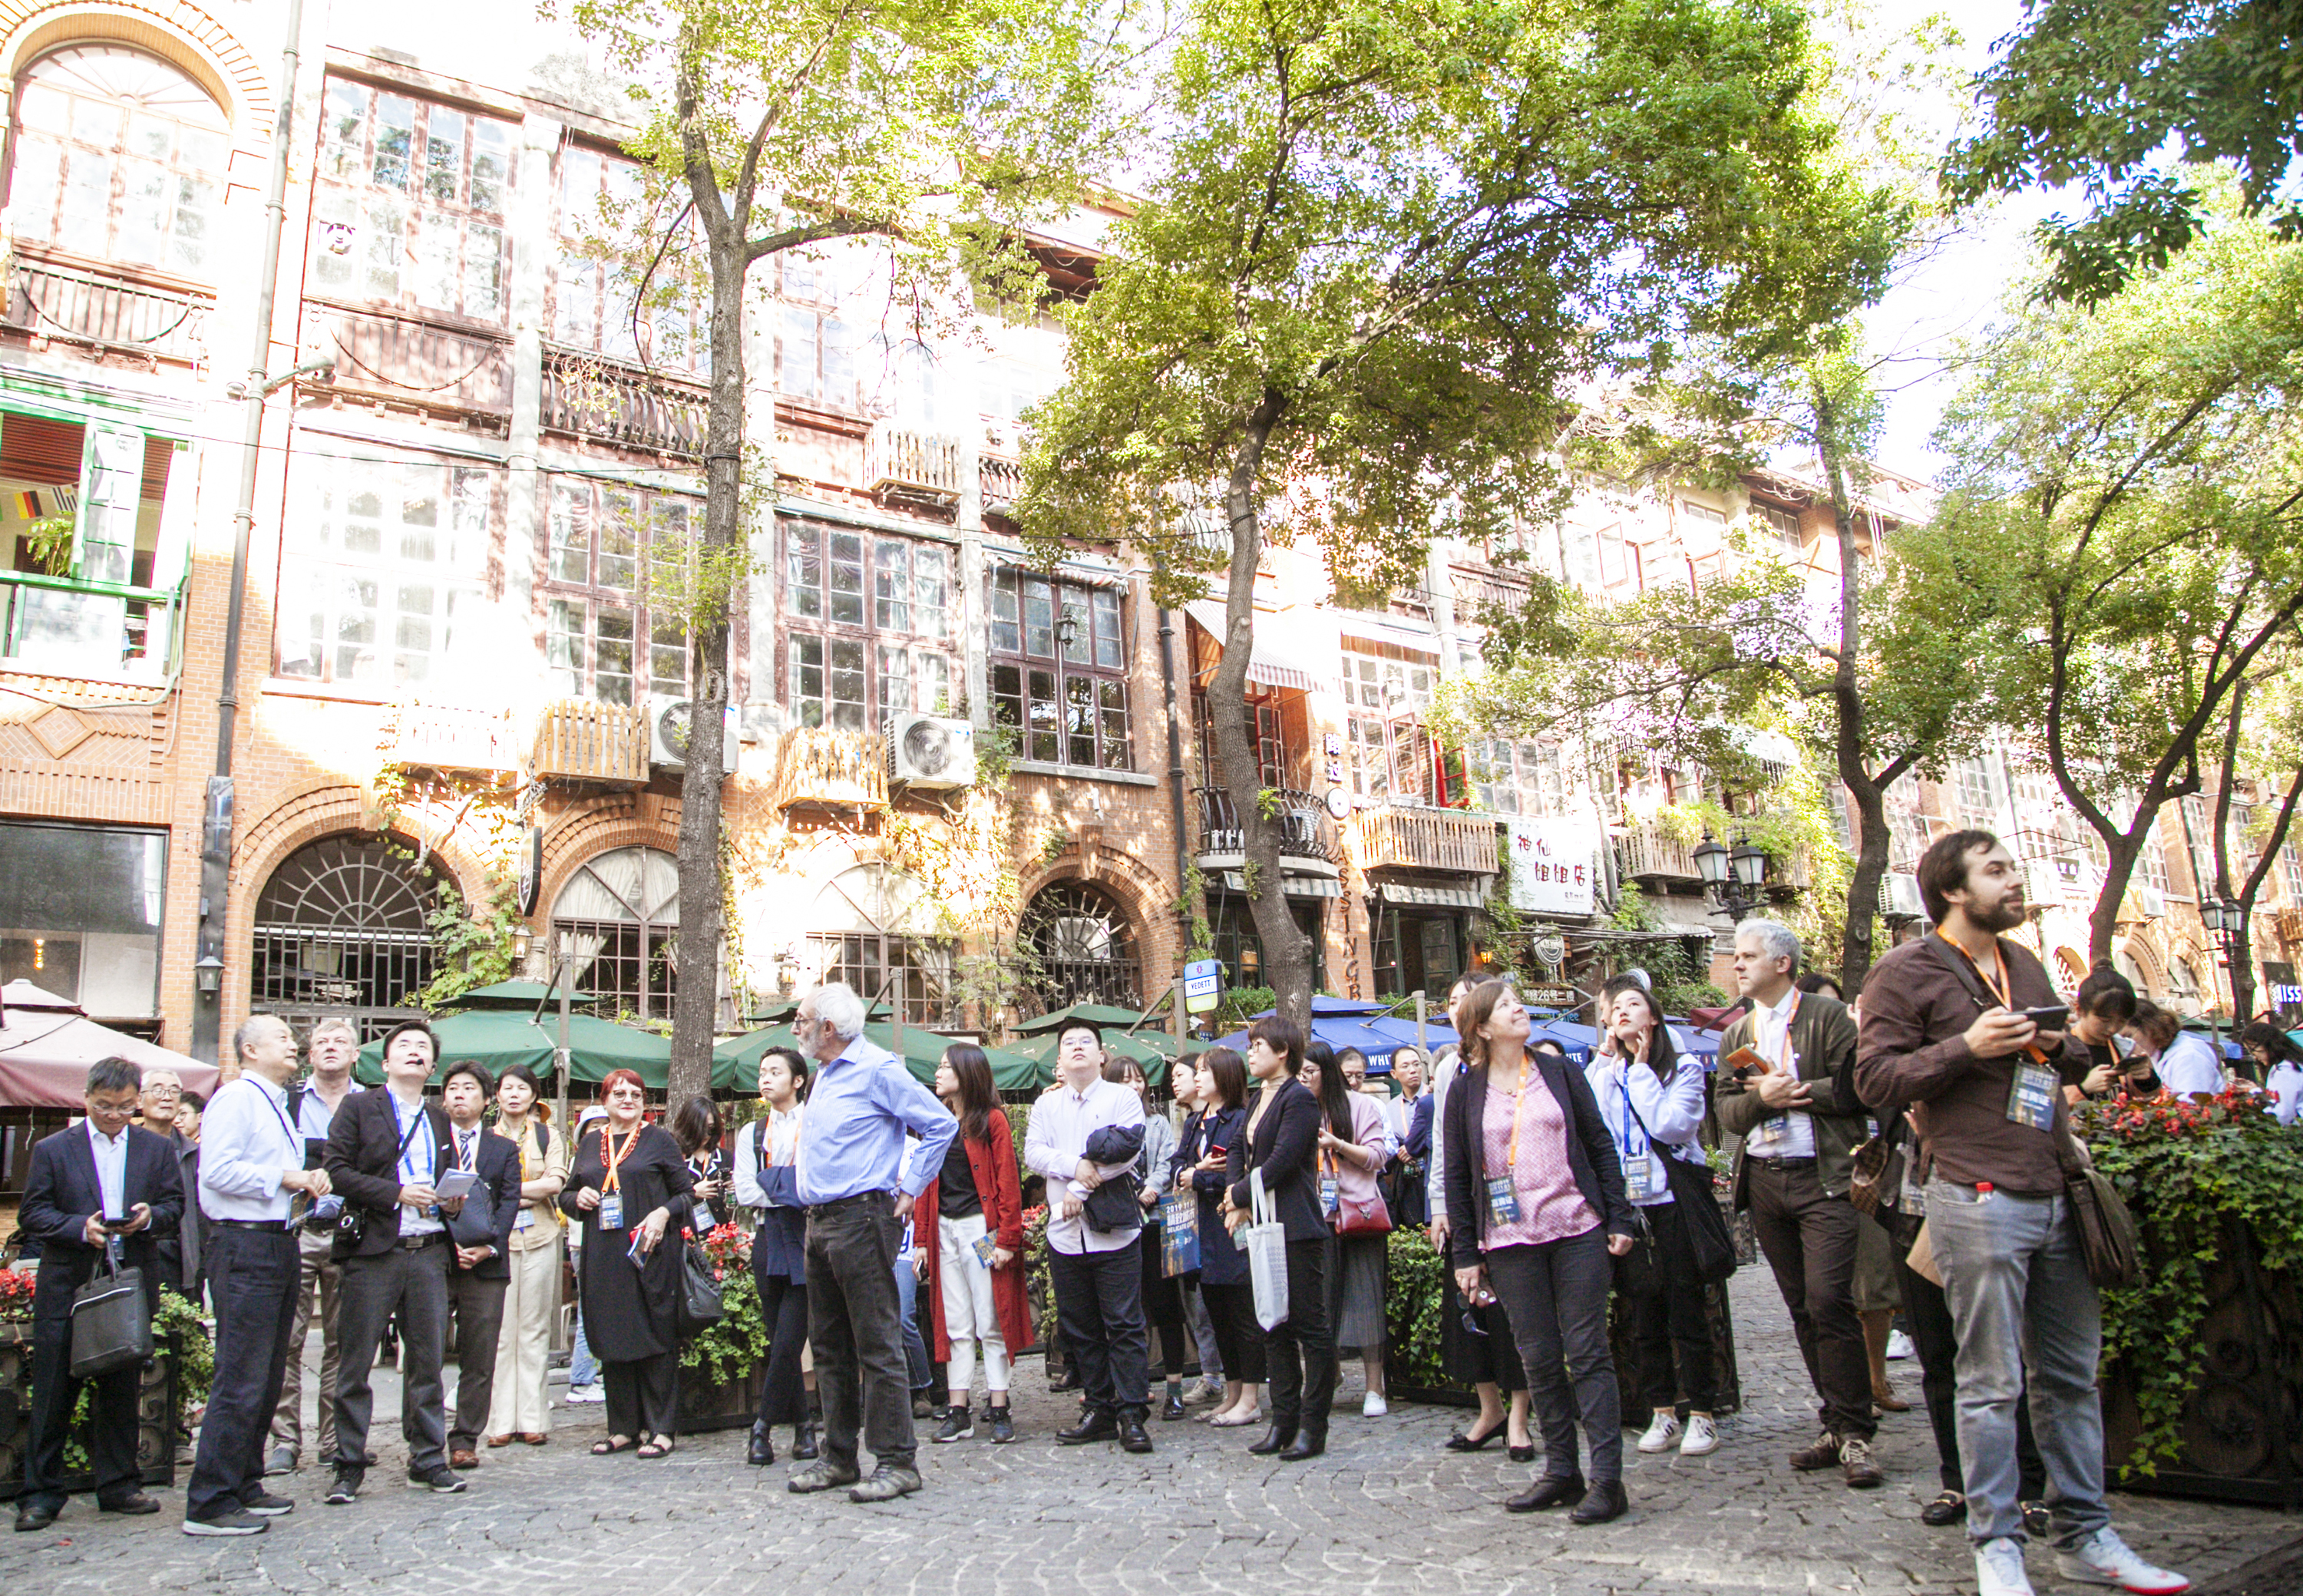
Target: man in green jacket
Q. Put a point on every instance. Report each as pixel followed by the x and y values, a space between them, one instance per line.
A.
pixel 1795 1139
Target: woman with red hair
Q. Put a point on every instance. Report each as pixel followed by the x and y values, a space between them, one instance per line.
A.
pixel 629 1188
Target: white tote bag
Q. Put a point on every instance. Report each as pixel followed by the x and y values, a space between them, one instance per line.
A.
pixel 1265 1241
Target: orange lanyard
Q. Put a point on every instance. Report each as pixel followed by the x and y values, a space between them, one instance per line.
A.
pixel 1519 1102
pixel 2003 989
pixel 1789 1014
pixel 612 1158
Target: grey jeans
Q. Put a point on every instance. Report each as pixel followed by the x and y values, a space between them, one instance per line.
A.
pixel 854 1323
pixel 415 1284
pixel 2018 1294
pixel 1556 1295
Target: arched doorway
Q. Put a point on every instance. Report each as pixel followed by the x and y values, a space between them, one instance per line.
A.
pixel 620 912
pixel 2071 969
pixel 1086 947
pixel 340 934
pixel 875 927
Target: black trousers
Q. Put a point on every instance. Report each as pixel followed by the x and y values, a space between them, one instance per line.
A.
pixel 783 1309
pixel 53 1393
pixel 412 1285
pixel 1670 1318
pixel 1936 1340
pixel 1100 1309
pixel 1239 1339
pixel 252 1278
pixel 644 1395
pixel 1554 1294
pixel 1300 1352
pixel 479 1326
pixel 1809 1239
pixel 855 1322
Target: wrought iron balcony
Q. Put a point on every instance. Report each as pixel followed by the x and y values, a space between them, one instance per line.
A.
pixel 106 310
pixel 911 464
pixel 589 397
pixel 407 360
pixel 1419 838
pixel 582 739
pixel 820 767
pixel 1308 844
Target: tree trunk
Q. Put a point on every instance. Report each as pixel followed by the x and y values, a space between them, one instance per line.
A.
pixel 2120 851
pixel 1868 792
pixel 2242 968
pixel 1287 953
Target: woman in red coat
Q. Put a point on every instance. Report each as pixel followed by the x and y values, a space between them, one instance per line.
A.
pixel 974 1266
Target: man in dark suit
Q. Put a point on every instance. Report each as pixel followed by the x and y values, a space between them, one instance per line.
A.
pixel 388 1150
pixel 101 1184
pixel 481 1231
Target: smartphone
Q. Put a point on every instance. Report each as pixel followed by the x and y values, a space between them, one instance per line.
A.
pixel 2051 1018
pixel 117 1225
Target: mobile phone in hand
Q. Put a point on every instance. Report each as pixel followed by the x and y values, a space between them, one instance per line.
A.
pixel 2053 1018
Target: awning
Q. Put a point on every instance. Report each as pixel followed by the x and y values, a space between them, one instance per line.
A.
pixel 1415 896
pixel 47 1044
pixel 1279 659
pixel 1371 628
pixel 1292 886
pixel 1686 928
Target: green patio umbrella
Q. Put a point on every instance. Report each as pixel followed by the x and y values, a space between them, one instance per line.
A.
pixel 498 1038
pixel 1150 1051
pixel 519 994
pixel 736 1061
pixel 1101 1015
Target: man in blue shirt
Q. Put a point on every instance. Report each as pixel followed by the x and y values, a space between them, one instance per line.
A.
pixel 856 1184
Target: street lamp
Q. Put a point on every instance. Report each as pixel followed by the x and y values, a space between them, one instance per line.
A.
pixel 207 975
pixel 1733 880
pixel 1711 863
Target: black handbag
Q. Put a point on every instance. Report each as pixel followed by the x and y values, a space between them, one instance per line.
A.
pixel 472 1224
pixel 699 1304
pixel 1706 1227
pixel 111 1321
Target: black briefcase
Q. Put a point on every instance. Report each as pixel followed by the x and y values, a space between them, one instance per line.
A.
pixel 111 1322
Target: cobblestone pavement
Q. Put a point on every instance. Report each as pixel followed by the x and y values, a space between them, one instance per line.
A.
pixel 1386 1504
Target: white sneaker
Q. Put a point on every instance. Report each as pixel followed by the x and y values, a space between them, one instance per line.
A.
pixel 587 1393
pixel 1899 1346
pixel 1662 1435
pixel 1702 1436
pixel 1373 1407
pixel 2103 1558
pixel 1999 1568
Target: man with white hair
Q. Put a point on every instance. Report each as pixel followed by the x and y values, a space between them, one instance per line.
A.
pixel 1795 1157
pixel 856 1186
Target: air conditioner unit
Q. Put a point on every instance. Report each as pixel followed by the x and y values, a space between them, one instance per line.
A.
pixel 2150 901
pixel 1899 897
pixel 668 733
pixel 931 752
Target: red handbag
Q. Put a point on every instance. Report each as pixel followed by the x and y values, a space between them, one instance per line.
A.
pixel 1371 1217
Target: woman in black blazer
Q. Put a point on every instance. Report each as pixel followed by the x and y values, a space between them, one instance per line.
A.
pixel 1535 1210
pixel 1282 1139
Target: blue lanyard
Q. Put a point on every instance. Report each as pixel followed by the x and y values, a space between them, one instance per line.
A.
pixel 1631 1121
pixel 407 1140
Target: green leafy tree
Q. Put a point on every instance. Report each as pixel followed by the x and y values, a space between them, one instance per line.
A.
pixel 2117 550
pixel 1385 246
pixel 2114 97
pixel 939 128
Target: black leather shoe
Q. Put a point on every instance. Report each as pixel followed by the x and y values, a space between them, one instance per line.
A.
pixel 1948 1508
pixel 1525 1454
pixel 1605 1502
pixel 1309 1442
pixel 1278 1438
pixel 804 1446
pixel 763 1450
pixel 1461 1442
pixel 1132 1437
pixel 1068 1380
pixel 133 1507
pixel 1096 1425
pixel 30 1520
pixel 1173 1409
pixel 1548 1492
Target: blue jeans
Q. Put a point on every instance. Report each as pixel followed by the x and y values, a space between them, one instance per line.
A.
pixel 583 1368
pixel 2021 1299
pixel 915 1349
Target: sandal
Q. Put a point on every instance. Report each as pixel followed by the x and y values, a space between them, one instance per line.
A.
pixel 614 1444
pixel 658 1448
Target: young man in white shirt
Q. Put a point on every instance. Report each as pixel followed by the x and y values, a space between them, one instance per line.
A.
pixel 1084 1136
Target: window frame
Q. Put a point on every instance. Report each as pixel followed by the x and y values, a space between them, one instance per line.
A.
pixel 1373 733
pixel 1088 693
pixel 557 592
pixel 858 647
pixel 603 285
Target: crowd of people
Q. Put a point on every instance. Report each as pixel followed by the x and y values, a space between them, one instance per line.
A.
pixel 1247 1233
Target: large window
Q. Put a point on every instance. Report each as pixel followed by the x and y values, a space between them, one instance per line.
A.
pixel 605 639
pixel 342 933
pixel 380 583
pixel 621 915
pixel 816 349
pixel 1234 940
pixel 592 298
pixel 873 926
pixel 1267 734
pixel 1779 525
pixel 118 155
pixel 1084 946
pixel 79 914
pixel 410 205
pixel 1386 693
pixel 869 622
pixel 1059 669
pixel 1523 778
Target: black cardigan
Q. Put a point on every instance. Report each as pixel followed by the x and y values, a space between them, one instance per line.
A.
pixel 1286 1147
pixel 1590 1155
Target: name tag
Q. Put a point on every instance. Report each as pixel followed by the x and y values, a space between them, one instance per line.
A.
pixel 611 1210
pixel 526 1218
pixel 2031 1097
pixel 1502 1203
pixel 1327 1199
pixel 1639 1183
pixel 1777 1128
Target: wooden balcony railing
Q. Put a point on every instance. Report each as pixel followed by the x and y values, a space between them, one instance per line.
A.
pixel 446 736
pixel 586 740
pixel 1423 839
pixel 91 307
pixel 919 464
pixel 1479 589
pixel 589 397
pixel 818 767
pixel 406 359
pixel 1002 481
pixel 1647 853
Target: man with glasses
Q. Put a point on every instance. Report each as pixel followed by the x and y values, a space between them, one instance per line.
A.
pixel 312 1110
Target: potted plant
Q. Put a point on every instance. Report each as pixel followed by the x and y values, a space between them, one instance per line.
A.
pixel 722 1367
pixel 175 1382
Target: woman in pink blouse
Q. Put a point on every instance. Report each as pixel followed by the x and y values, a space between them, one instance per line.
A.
pixel 1536 1207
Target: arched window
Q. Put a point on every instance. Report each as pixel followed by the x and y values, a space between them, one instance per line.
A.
pixel 874 927
pixel 341 932
pixel 118 154
pixel 623 911
pixel 1086 947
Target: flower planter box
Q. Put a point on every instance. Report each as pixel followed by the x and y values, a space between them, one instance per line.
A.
pixel 157 1416
pixel 705 1404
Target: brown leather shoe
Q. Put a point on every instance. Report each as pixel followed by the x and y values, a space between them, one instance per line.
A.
pixel 529 1437
pixel 499 1440
pixel 1822 1454
pixel 1883 1397
pixel 463 1458
pixel 1855 1458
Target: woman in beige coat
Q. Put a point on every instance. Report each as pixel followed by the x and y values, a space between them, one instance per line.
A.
pixel 520 1409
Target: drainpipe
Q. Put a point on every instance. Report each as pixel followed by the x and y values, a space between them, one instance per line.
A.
pixel 216 832
pixel 1174 754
